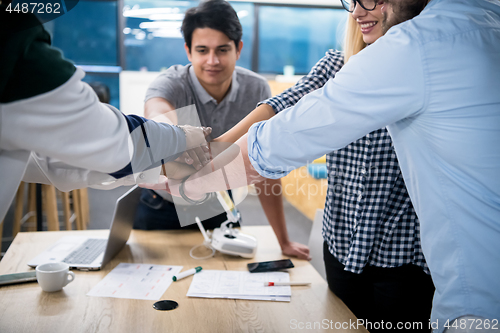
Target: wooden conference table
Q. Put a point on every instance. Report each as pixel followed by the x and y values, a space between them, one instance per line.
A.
pixel 26 308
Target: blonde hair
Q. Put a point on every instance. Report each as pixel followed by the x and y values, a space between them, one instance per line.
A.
pixel 353 39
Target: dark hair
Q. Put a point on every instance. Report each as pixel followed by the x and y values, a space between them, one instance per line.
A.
pixel 403 10
pixel 213 14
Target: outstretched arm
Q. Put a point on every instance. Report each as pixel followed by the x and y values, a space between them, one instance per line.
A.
pixel 260 113
pixel 161 110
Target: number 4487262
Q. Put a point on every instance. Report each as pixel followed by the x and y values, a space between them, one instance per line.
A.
pixel 473 324
pixel 35 7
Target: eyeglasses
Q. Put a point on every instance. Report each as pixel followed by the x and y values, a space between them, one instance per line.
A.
pixel 350 5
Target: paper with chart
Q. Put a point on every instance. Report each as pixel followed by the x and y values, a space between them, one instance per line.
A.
pixel 240 285
pixel 136 281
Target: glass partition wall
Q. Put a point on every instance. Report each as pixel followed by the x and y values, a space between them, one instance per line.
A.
pixel 88 36
pixel 293 39
pixel 153 40
pixel 106 37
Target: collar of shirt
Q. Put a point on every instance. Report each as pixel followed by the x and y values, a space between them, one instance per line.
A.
pixel 205 97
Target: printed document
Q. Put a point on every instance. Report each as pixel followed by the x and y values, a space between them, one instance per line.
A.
pixel 136 281
pixel 240 285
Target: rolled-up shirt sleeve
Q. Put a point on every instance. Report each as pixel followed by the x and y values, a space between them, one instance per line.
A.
pixel 381 85
pixel 152 144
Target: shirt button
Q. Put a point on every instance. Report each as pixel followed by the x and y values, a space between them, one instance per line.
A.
pixel 362 171
pixel 368 142
pixel 141 176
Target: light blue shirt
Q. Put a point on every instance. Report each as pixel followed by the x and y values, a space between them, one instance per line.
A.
pixel 435 82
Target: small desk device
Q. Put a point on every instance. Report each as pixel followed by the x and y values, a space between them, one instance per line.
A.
pixel 226 239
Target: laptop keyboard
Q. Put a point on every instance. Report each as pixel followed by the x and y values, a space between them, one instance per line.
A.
pixel 86 253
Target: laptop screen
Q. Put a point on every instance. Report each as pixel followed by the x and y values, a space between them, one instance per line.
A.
pixel 123 221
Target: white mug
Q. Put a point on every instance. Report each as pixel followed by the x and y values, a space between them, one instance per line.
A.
pixel 54 276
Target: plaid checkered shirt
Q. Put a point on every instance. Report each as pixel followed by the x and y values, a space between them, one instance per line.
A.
pixel 369 218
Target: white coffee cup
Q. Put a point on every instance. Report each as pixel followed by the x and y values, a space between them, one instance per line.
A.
pixel 54 276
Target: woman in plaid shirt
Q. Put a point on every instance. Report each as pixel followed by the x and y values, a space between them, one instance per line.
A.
pixel 373 258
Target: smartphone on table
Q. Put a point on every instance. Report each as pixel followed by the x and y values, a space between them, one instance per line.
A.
pixel 17 278
pixel 270 266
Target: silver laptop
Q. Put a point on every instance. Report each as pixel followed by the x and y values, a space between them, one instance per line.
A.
pixel 89 253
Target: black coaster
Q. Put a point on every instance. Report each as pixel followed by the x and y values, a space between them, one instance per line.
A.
pixel 165 305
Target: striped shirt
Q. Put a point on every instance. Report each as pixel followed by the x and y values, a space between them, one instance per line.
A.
pixel 369 218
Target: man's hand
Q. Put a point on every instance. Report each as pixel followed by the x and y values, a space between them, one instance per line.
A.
pixel 198 154
pixel 294 249
pixel 195 157
pixel 195 136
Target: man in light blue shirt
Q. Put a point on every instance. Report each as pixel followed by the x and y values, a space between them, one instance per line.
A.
pixel 434 82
